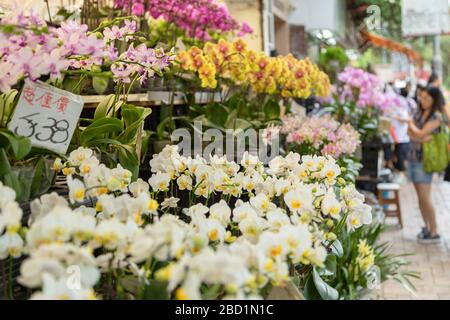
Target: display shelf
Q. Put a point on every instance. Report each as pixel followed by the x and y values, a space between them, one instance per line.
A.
pixel 155 98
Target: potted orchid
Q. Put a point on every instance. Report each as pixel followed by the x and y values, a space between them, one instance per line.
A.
pixel 321 136
pixel 191 20
pixel 131 239
pixel 70 56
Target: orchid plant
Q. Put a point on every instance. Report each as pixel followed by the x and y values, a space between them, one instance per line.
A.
pixel 70 56
pixel 32 50
pixel 197 19
pixel 320 136
pixel 255 223
pixel 359 99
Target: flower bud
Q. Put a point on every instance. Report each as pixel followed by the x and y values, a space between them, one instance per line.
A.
pixel 330 223
pixel 331 236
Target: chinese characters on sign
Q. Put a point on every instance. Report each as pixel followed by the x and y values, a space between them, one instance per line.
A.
pixel 425 17
pixel 47 115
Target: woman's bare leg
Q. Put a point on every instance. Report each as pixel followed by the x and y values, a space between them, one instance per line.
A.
pixel 422 208
pixel 426 206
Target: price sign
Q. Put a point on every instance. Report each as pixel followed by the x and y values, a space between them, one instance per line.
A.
pixel 47 116
pixel 425 17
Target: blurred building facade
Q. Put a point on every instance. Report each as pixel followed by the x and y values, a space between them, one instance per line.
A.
pixel 280 26
pixel 297 26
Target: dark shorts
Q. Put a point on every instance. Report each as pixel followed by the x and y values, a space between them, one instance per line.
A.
pixel 401 154
pixel 387 151
pixel 447 174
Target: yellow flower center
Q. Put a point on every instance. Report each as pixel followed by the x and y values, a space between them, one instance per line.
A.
pixel 276 251
pixel 252 231
pixel 265 204
pixel 138 218
pixel 354 221
pixel 79 194
pixel 334 210
pixel 98 207
pixel 67 171
pixel 296 204
pixel 164 273
pixel 162 185
pixel 13 228
pixel 180 294
pixel 292 242
pixel 106 238
pixel 213 234
pixel 59 232
pixel 14 251
pixel 91 295
pixel 306 254
pixel 56 166
pixel 153 205
pixel 85 169
pixel 102 190
pixel 269 265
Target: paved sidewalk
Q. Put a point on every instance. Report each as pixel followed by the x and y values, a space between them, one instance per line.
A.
pixel 432 261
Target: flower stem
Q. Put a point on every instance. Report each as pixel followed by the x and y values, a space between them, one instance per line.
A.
pixel 48 11
pixel 10 280
pixel 5 284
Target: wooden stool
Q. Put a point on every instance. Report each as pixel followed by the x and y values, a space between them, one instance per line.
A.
pixel 395 188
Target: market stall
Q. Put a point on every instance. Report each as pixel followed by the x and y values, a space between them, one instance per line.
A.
pixel 93 185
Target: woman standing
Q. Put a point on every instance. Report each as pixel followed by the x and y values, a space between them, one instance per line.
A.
pixel 426 122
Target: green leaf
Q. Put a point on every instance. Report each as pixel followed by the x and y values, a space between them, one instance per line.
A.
pixel 217 114
pixel 128 159
pixel 241 124
pixel 272 110
pixel 8 140
pixel 42 178
pixel 7 105
pixel 161 128
pixel 12 181
pixel 74 84
pixel 24 148
pixel 133 118
pixel 5 167
pixel 330 265
pixel 234 101
pixel 211 293
pixel 326 291
pixel 146 134
pixel 231 119
pixel 337 249
pixel 155 290
pixel 99 128
pixel 100 83
pixel 106 107
pixel 310 291
pixel 20 146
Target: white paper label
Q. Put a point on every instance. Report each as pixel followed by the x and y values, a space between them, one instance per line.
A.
pixel 47 116
pixel 425 17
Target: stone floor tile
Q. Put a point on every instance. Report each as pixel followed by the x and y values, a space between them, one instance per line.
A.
pixel 433 261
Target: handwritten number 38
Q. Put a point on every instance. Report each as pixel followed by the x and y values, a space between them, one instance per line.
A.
pixel 55 132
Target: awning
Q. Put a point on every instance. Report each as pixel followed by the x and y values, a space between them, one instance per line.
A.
pixel 391 45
